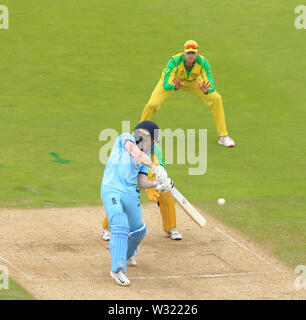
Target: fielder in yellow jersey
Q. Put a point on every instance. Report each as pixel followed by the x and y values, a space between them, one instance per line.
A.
pixel 191 72
pixel 164 200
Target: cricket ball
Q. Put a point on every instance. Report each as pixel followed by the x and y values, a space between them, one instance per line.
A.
pixel 221 202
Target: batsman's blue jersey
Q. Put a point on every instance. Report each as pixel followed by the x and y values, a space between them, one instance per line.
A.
pixel 122 169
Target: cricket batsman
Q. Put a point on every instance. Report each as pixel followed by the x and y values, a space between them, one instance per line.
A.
pixel 164 200
pixel 128 164
pixel 191 72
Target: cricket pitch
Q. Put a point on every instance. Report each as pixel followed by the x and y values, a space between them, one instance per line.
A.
pixel 58 253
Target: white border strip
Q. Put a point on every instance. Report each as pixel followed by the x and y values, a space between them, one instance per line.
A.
pixel 16 269
pixel 247 249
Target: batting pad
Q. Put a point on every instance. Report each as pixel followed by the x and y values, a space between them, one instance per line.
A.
pixel 118 241
pixel 134 239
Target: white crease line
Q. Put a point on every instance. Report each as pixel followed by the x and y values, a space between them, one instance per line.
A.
pixel 107 255
pixel 16 269
pixel 216 275
pixel 75 256
pixel 161 277
pixel 57 268
pixel 244 247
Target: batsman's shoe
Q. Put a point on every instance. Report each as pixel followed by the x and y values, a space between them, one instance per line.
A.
pixel 174 234
pixel 106 234
pixel 226 141
pixel 131 261
pixel 120 277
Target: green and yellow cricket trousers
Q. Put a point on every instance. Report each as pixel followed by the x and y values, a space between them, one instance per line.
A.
pixel 212 100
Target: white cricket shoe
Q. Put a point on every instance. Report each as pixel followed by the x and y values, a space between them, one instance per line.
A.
pixel 106 234
pixel 120 277
pixel 174 234
pixel 226 141
pixel 131 261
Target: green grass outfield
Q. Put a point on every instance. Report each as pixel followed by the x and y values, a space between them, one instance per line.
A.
pixel 72 68
pixel 15 292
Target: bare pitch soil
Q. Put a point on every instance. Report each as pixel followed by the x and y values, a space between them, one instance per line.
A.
pixel 59 254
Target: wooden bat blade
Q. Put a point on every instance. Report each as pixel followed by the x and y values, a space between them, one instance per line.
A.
pixel 188 208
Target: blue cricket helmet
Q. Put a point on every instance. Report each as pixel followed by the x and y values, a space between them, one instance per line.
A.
pixel 147 127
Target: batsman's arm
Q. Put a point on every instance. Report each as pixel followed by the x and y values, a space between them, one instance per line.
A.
pixel 143 181
pixel 159 171
pixel 138 154
pixel 168 75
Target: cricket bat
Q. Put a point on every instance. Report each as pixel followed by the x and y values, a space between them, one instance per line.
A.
pixel 188 207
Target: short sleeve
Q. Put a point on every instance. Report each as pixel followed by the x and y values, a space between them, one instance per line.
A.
pixel 127 137
pixel 144 169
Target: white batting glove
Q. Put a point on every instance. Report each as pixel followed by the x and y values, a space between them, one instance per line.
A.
pixel 160 173
pixel 166 186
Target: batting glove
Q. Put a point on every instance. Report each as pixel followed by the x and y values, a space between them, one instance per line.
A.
pixel 165 186
pixel 160 173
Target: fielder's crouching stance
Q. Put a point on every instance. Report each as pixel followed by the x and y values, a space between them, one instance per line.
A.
pixel 129 164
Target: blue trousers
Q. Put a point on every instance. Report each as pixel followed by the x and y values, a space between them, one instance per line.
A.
pixel 124 215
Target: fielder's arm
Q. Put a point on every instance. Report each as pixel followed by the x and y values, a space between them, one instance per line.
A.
pixel 168 75
pixel 207 74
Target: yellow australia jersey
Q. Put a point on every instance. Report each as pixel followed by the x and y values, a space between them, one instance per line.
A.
pixel 201 70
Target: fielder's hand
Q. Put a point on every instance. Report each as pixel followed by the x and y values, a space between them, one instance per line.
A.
pixel 152 194
pixel 166 186
pixel 204 86
pixel 160 173
pixel 177 82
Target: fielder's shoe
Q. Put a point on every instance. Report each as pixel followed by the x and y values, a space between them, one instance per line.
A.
pixel 120 277
pixel 174 234
pixel 226 141
pixel 106 234
pixel 131 261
